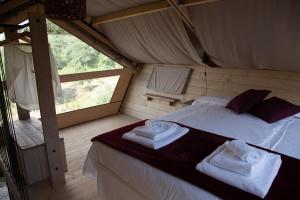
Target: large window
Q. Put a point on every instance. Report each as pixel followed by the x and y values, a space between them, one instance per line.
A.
pixel 74 56
pixel 87 93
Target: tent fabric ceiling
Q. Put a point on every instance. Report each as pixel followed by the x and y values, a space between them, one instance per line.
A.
pixel 153 38
pixel 260 34
pixel 102 7
pixel 251 33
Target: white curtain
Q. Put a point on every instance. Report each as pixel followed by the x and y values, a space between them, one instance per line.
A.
pixel 153 38
pixel 20 76
pixel 250 33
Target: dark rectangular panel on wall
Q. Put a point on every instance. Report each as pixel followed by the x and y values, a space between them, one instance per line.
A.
pixel 66 9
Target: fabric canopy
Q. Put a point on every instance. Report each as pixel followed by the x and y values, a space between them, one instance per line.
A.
pixel 250 33
pixel 261 34
pixel 153 38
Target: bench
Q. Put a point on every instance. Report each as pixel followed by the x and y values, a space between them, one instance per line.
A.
pixel 31 146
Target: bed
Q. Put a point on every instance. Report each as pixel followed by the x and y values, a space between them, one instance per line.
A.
pixel 119 175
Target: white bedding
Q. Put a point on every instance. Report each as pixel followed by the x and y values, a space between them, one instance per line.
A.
pixel 215 118
pixel 141 181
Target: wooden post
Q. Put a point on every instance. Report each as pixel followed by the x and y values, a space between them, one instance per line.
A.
pixel 22 113
pixel 41 59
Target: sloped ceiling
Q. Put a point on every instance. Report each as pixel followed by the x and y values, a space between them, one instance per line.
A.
pixel 102 7
pixel 154 38
pixel 260 34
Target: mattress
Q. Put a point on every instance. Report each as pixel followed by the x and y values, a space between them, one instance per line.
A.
pixel 138 180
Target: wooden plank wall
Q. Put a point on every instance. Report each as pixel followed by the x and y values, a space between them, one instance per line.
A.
pixel 220 82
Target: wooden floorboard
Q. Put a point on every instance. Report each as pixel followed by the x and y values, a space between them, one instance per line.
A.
pixel 77 144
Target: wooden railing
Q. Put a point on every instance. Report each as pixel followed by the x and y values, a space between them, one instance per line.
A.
pixel 95 112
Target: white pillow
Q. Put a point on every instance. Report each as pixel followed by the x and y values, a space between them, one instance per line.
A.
pixel 212 100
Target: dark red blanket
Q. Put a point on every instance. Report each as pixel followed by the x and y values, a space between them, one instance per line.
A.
pixel 181 157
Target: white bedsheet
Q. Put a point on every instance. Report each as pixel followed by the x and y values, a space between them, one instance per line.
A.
pixel 145 182
pixel 290 143
pixel 215 118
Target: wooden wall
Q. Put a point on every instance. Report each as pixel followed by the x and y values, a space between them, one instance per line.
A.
pixel 220 82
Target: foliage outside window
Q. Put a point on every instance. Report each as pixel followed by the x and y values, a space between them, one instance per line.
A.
pixel 87 93
pixel 74 56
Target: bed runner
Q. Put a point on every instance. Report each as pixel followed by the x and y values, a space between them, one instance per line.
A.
pixel 181 157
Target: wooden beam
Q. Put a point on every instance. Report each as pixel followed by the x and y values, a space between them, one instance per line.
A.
pixel 131 12
pixel 15 36
pixel 92 75
pixel 182 13
pixel 95 34
pixel 42 67
pixel 143 10
pixel 22 113
pixel 87 114
pixel 121 87
pixel 10 5
pixel 19 16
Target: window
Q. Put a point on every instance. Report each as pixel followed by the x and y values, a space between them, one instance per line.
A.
pixel 87 93
pixel 83 94
pixel 74 56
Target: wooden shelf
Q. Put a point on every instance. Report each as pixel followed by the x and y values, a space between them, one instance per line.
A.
pixel 171 101
pixel 188 103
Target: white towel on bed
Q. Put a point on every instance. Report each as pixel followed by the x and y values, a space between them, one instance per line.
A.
pixel 243 151
pixel 166 129
pixel 132 136
pixel 258 184
pixel 228 161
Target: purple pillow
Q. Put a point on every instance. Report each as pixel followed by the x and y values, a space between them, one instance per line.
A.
pixel 247 100
pixel 274 109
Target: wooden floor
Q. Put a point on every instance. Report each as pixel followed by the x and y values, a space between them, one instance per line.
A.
pixel 77 143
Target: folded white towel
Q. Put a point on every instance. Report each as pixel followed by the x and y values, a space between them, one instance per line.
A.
pixel 258 184
pixel 228 161
pixel 155 124
pixel 166 130
pixel 131 136
pixel 243 151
